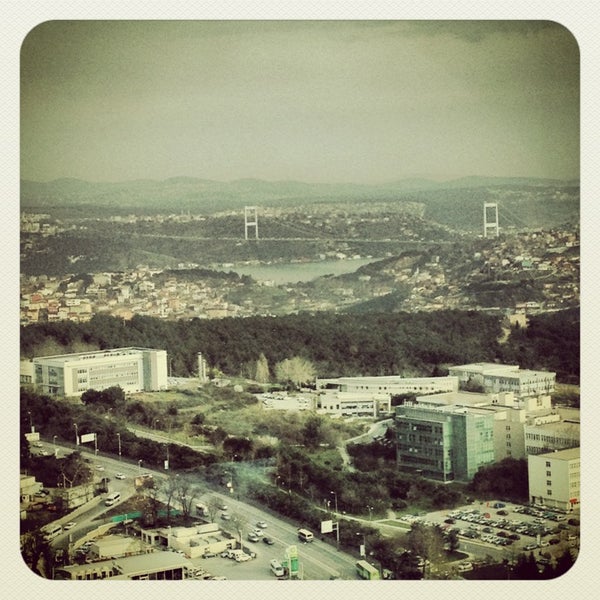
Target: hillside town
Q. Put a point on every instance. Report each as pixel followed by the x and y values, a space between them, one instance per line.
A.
pixel 513 274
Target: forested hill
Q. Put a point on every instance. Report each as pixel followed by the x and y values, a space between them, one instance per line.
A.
pixel 415 344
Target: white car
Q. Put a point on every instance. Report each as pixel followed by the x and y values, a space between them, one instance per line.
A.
pixel 99 468
pixel 119 476
pixel 69 525
pixel 242 558
pixel 261 524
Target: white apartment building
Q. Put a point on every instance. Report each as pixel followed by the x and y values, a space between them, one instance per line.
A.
pixel 132 369
pixel 506 378
pixel 555 478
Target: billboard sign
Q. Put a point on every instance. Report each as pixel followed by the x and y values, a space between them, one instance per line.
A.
pixel 326 526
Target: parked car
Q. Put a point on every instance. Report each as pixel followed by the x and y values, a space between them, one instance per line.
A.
pixel 268 540
pixel 119 476
pixel 225 516
pixel 554 541
pixel 252 537
pixel 208 555
pixel 69 525
pixel 261 524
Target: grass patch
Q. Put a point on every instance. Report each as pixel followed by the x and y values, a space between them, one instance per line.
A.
pixel 393 523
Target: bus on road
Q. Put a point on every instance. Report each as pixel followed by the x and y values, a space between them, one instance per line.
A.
pixel 366 570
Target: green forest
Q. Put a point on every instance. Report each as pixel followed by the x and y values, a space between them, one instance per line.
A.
pixel 377 344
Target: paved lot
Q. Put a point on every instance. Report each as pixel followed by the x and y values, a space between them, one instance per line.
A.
pixel 483 531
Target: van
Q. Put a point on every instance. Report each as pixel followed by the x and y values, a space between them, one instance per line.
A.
pixel 305 535
pixel 112 499
pixel 276 568
pixel 53 531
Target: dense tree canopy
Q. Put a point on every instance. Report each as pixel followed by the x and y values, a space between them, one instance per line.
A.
pixel 335 344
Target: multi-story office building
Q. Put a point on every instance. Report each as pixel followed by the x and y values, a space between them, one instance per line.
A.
pixel 132 369
pixel 505 378
pixel 511 416
pixel 554 479
pixel 444 442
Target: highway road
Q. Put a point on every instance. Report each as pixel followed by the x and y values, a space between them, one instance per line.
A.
pixel 317 560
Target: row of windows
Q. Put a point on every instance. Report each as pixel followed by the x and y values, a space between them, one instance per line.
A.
pixel 550 439
pixel 422 451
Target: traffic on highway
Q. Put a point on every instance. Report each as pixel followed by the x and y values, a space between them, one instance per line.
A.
pixel 316 561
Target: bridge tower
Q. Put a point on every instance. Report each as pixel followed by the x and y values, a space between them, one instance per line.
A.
pixel 490 220
pixel 250 220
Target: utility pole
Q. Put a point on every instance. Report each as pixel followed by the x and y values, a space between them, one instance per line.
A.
pixel 337 523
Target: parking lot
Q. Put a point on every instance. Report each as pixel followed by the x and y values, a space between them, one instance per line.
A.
pixel 500 524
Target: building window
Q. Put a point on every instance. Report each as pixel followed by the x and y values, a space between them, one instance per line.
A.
pixel 547 463
pixel 548 482
pixel 548 473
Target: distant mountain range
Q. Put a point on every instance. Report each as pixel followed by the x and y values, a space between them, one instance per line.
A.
pixel 556 199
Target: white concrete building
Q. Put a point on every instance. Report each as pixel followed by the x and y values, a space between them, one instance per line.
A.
pixel 555 478
pixel 371 396
pixel 505 378
pixel 391 385
pixel 353 404
pixel 547 433
pixel 133 369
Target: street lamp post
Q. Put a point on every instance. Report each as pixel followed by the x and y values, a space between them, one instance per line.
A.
pixel 31 428
pixel 370 508
pixel 140 466
pixel 54 445
pixel 337 525
pixel 76 434
pixel 119 439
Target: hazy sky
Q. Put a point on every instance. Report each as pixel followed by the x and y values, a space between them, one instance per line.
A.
pixel 328 101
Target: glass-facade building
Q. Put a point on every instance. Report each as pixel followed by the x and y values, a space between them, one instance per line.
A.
pixel 444 442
